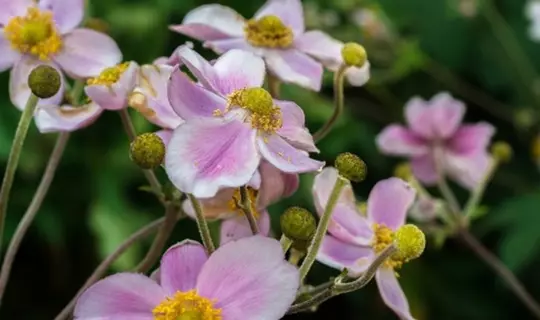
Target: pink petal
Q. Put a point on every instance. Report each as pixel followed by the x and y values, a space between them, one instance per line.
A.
pixel 471 138
pixel 123 296
pixel 275 184
pixel 389 201
pixel 286 157
pixel 447 114
pixel 238 69
pixel 68 14
pixel 424 170
pixel 181 265
pixel 398 140
pixel 468 170
pixel 165 136
pixel 224 45
pixel 238 227
pixel 85 53
pixel 191 101
pixel 358 76
pixel 173 60
pixel 19 92
pixel 115 96
pixel 392 294
pixel 9 56
pixel 295 67
pixel 53 118
pixel 322 47
pixel 418 116
pixel 211 22
pixel 294 128
pixel 290 12
pixel 205 155
pixel 339 255
pixel 247 284
pixel 13 8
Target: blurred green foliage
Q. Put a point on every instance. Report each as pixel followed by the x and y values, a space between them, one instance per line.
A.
pixel 431 46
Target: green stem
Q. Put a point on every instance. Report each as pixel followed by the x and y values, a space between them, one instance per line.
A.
pixel 322 227
pixel 339 98
pixel 285 243
pixel 247 208
pixel 202 224
pixel 478 193
pixel 444 188
pixel 14 155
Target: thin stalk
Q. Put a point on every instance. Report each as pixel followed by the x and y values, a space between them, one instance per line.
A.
pixel 285 243
pixel 247 208
pixel 478 193
pixel 202 224
pixel 274 86
pixel 444 188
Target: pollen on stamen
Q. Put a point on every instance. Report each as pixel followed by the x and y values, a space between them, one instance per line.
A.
pixel 268 31
pixel 109 76
pixel 264 115
pixel 187 305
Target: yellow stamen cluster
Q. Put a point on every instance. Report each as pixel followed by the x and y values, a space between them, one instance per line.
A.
pixel 35 34
pixel 268 31
pixel 408 239
pixel 264 115
pixel 384 237
pixel 109 76
pixel 235 204
pixel 186 306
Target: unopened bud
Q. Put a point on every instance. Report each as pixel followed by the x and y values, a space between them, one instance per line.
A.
pixel 147 151
pixel 353 54
pixel 299 225
pixel 351 167
pixel 44 81
pixel 501 151
pixel 410 242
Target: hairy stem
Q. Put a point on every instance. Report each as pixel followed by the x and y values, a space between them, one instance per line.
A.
pixel 202 224
pixel 247 208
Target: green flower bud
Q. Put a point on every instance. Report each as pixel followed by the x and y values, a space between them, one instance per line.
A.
pixel 353 54
pixel 410 242
pixel 351 167
pixel 299 225
pixel 501 151
pixel 44 81
pixel 147 151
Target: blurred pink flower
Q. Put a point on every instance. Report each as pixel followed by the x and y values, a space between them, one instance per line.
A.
pixel 354 240
pixel 66 118
pixel 231 124
pixel 435 131
pixel 45 32
pixel 235 282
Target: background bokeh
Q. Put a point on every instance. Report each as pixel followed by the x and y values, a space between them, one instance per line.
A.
pixel 416 47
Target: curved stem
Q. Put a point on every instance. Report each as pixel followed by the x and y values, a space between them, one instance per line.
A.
pixel 32 210
pixel 202 224
pixel 14 155
pixel 247 208
pixel 339 98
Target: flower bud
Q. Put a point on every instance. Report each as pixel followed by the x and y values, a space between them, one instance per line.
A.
pixel 147 150
pixel 410 242
pixel 353 54
pixel 351 167
pixel 501 151
pixel 44 81
pixel 299 225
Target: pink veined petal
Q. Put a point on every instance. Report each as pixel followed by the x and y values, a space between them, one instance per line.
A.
pixel 418 116
pixel 471 138
pixel 9 56
pixel 322 188
pixel 238 227
pixel 224 45
pixel 68 14
pixel 424 170
pixel 290 12
pixel 339 255
pixel 13 8
pixel 66 118
pixel 389 201
pixel 211 22
pixel 398 140
pixel 322 47
pixel 468 170
pixel 275 184
pixel 238 69
pixel 19 92
pixel 85 53
pixel 293 129
pixel 286 157
pixel 255 181
pixel 205 155
pixel 447 114
pixel 123 296
pixel 114 96
pixel 295 67
pixel 358 76
pixel 200 68
pixel 165 136
pixel 392 294
pixel 180 266
pixel 156 275
pixel 191 101
pixel 247 284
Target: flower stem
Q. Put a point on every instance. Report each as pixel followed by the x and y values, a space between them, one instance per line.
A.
pixel 202 224
pixel 478 193
pixel 444 188
pixel 32 210
pixel 295 256
pixel 339 98
pixel 285 243
pixel 321 228
pixel 248 212
pixel 14 155
pixel 274 85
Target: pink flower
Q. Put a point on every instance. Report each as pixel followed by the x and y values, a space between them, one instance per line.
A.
pixel 235 282
pixel 45 33
pixel 276 32
pixel 354 240
pixel 231 124
pixel 435 128
pixel 66 118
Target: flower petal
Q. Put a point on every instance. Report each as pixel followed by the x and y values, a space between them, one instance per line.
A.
pixel 200 68
pixel 238 227
pixel 205 155
pixel 389 201
pixel 9 56
pixel 295 67
pixel 290 12
pixel 358 76
pixel 294 128
pixel 238 69
pixel 216 207
pixel 339 255
pixel 322 47
pixel 13 8
pixel 54 118
pixel 224 45
pixel 85 53
pixel 275 184
pixel 165 136
pixel 247 284
pixel 19 92
pixel 123 296
pixel 211 22
pixel 68 14
pixel 468 170
pixel 392 294
pixel 115 96
pixel 181 265
pixel 424 170
pixel 473 138
pixel 286 157
pixel 398 140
